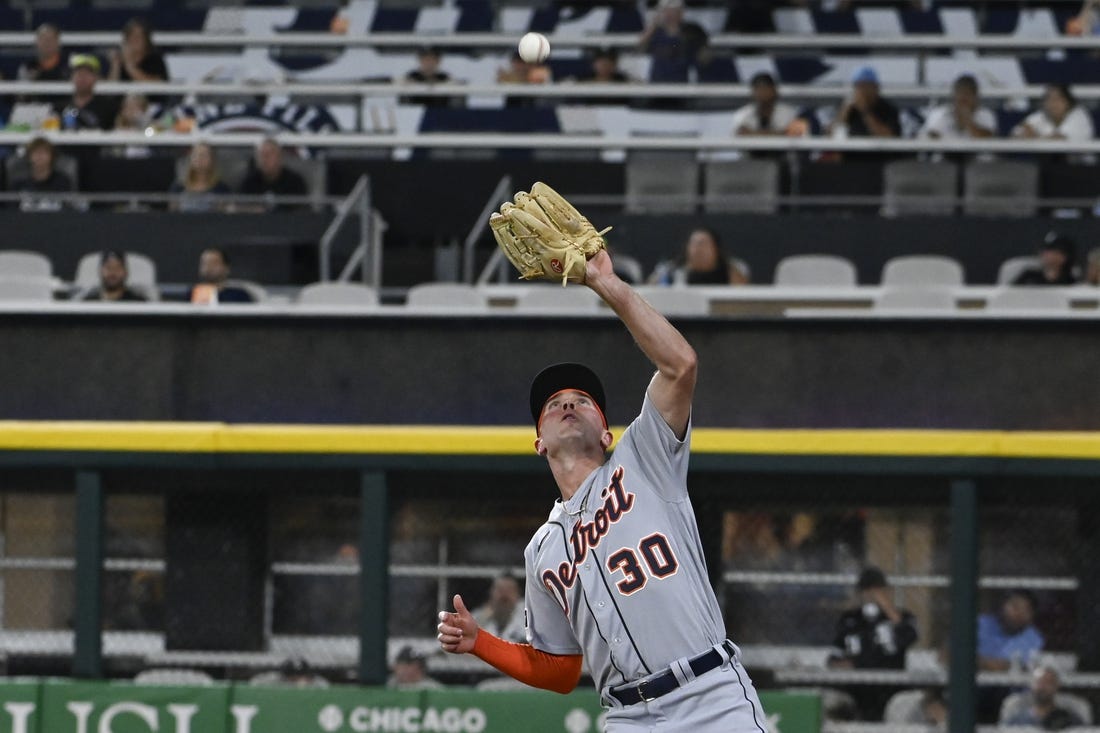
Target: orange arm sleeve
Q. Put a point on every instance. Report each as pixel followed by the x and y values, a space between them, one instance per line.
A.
pixel 557 672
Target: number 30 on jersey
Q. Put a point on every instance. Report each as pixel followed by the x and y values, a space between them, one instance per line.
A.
pixel 656 554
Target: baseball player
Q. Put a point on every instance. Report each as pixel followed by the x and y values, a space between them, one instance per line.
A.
pixel 616 576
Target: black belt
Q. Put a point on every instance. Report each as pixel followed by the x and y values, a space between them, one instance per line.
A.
pixel 665 682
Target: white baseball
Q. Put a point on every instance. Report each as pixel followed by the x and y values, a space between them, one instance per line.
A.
pixel 534 48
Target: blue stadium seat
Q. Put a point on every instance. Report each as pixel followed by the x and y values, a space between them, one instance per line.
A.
pixel 394 20
pixel 1007 119
pixel 312 20
pixel 441 119
pixel 545 20
pixel 625 20
pixel 921 21
pixel 83 19
pixel 1080 70
pixel 566 68
pixel 720 70
pixel 837 21
pixel 1001 20
pixel 476 16
pixel 799 69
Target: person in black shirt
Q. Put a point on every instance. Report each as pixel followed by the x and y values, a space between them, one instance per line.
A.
pixel 427 72
pixel 212 287
pixel 43 177
pixel 137 59
pixel 48 63
pixel 866 113
pixel 112 280
pixel 269 176
pixel 873 635
pixel 85 110
pixel 1057 256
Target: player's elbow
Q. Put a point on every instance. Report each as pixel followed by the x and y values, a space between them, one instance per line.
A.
pixel 684 366
pixel 567 682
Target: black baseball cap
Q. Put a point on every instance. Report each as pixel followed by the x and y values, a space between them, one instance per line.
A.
pixel 567 375
pixel 1060 242
pixel 871 577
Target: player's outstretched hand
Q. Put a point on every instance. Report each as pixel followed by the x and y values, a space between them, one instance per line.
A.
pixel 458 630
pixel 598 267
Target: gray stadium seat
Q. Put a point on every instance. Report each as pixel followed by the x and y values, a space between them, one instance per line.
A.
pixel 1017 701
pixel 741 186
pixel 172 677
pixel 23 289
pixel 554 298
pixel 904 708
pixel 257 291
pixel 1025 298
pixel 17 263
pixel 916 187
pixel 449 295
pixel 910 298
pixel 922 271
pixel 676 301
pixel 828 270
pixel 661 184
pixel 1013 267
pixel 1001 188
pixel 337 293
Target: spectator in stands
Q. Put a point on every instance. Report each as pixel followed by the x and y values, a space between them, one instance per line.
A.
pixel 672 43
pixel 137 59
pixel 605 68
pixel 410 672
pixel 269 176
pixel 1041 709
pixel 295 672
pixel 703 263
pixel 873 635
pixel 963 118
pixel 133 116
pixel 1057 262
pixel 1060 118
pixel 1009 636
pixel 933 708
pixel 765 115
pixel 503 613
pixel 213 284
pixel 427 71
pixel 866 113
pixel 48 63
pixel 86 111
pixel 202 186
pixel 1087 20
pixel 42 178
pixel 112 280
pixel 1092 274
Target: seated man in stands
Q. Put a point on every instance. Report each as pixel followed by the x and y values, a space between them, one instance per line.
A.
pixel 213 276
pixel 43 178
pixel 112 280
pixel 1009 636
pixel 503 613
pixel 427 71
pixel 963 118
pixel 268 176
pixel 702 263
pixel 866 113
pixel 1057 256
pixel 410 672
pixel 1040 708
pixel 85 110
pixel 873 635
pixel 765 115
pixel 48 63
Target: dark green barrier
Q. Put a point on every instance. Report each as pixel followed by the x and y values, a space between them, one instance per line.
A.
pixel 102 707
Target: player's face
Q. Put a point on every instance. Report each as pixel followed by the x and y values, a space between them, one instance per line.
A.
pixel 570 417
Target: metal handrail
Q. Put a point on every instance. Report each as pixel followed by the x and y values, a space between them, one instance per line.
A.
pixel 343 210
pixel 500 193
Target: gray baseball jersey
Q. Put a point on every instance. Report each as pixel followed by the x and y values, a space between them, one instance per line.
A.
pixel 617 572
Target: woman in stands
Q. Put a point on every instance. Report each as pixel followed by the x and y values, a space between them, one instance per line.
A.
pixel 702 263
pixel 201 186
pixel 137 59
pixel 1060 118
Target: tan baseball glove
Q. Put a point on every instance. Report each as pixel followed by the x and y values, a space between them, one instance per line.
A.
pixel 544 236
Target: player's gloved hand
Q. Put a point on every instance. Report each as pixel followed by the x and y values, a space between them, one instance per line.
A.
pixel 544 235
pixel 458 630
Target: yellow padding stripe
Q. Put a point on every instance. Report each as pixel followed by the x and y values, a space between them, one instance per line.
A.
pixel 489 441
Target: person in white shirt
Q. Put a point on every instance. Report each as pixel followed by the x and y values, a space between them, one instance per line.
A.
pixel 765 115
pixel 963 117
pixel 1060 118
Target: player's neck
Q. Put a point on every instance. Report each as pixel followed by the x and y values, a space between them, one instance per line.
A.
pixel 570 471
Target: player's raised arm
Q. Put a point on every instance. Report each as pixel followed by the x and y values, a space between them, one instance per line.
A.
pixel 674 384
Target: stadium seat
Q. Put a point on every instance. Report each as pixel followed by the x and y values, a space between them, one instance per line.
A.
pixel 554 298
pixel 337 293
pixel 938 299
pixel 141 273
pixel 448 295
pixel 1001 188
pixel 742 186
pixel 174 677
pixel 15 263
pixel 1028 299
pixel 917 187
pixel 661 184
pixel 1013 267
pixel 904 708
pixel 922 271
pixel 25 289
pixel 257 291
pixel 803 270
pixel 676 301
